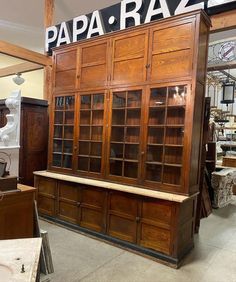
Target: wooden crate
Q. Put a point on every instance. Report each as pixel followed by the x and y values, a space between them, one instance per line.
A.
pixel 229 161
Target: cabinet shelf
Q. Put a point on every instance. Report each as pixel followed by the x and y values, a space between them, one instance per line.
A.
pixel 154 163
pixel 173 165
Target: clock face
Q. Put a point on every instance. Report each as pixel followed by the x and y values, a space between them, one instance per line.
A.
pixel 227 51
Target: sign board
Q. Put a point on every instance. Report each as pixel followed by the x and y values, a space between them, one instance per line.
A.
pixel 125 14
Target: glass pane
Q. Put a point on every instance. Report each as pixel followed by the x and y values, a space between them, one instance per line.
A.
pixel 85 102
pixel 177 95
pixel 116 167
pixel 83 148
pixel 117 134
pixel 95 165
pixel 119 100
pixel 70 102
pixel 68 132
pixel 131 170
pixel 174 136
pixel 58 118
pixel 132 152
pixel 97 133
pixel 97 117
pixel 134 98
pixel 96 149
pixel 84 133
pixel 56 160
pixel 156 116
pixel 69 117
pixel 172 175
pixel 158 97
pixel 83 163
pixel 175 116
pixel 118 117
pixel 132 135
pixel 153 172
pixel 154 153
pixel 116 151
pixel 155 135
pixel 133 117
pixel 85 117
pixel 67 161
pixel 68 147
pixel 57 146
pixel 173 155
pixel 98 101
pixel 57 131
pixel 59 103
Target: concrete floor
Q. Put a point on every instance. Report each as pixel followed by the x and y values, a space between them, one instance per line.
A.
pixel 80 258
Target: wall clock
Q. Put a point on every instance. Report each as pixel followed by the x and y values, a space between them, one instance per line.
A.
pixel 227 51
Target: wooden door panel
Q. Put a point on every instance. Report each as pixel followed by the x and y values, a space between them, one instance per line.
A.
pixel 92 219
pixel 68 212
pixel 65 80
pixel 68 191
pixel 157 211
pixel 171 65
pixel 155 238
pixel 93 196
pixel 122 228
pixel 46 205
pixel 93 76
pixel 129 58
pixel 173 38
pixel 66 60
pixel 93 65
pixel 47 186
pixel 122 203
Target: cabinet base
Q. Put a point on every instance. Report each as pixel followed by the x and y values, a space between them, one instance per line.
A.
pixel 159 257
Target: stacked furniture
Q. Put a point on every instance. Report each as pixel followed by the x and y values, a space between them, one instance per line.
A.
pixel 126 135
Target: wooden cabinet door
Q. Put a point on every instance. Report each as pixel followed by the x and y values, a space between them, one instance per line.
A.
pixel 93 65
pixel 122 216
pixel 92 208
pixel 129 58
pixel 68 201
pixel 155 225
pixel 65 70
pixel 47 194
pixel 171 52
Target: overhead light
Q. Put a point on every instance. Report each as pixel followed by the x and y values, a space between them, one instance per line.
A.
pixel 228 92
pixel 18 79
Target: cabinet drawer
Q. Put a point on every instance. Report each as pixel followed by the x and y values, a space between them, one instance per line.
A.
pixel 47 186
pixel 68 212
pixel 46 205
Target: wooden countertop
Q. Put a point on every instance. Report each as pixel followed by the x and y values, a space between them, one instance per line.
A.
pixel 118 187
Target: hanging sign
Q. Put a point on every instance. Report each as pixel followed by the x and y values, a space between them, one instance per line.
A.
pixel 125 14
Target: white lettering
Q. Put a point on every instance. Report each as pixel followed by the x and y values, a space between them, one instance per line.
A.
pixel 48 40
pixel 64 34
pixel 76 30
pixel 183 9
pixel 132 14
pixel 164 10
pixel 213 3
pixel 96 19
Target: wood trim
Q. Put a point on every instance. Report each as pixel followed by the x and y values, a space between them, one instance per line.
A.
pixel 223 21
pixel 19 68
pixel 24 54
pixel 48 12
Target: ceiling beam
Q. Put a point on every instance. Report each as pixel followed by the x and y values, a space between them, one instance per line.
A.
pixel 227 66
pixel 19 68
pixel 24 54
pixel 223 21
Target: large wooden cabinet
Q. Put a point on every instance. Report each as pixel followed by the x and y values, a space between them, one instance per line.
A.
pixel 33 136
pixel 127 108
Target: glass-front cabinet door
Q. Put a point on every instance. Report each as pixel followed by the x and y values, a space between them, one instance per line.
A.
pixel 125 130
pixel 63 132
pixel 165 135
pixel 91 133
